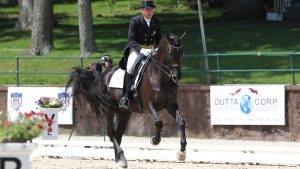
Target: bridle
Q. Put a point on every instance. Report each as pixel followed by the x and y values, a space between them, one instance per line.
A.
pixel 169 55
pixel 167 69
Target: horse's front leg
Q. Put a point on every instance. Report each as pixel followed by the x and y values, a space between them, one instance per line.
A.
pixel 174 111
pixel 158 124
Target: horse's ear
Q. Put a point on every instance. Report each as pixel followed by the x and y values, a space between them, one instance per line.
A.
pixel 183 36
pixel 168 37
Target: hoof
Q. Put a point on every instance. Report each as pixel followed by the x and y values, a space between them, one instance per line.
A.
pixel 181 155
pixel 154 141
pixel 121 164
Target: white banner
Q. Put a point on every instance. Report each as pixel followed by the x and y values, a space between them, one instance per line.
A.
pixel 247 105
pixel 23 99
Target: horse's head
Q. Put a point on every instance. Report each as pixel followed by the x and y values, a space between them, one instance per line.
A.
pixel 174 55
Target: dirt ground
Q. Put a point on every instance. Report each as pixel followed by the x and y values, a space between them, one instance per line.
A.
pixel 54 162
pixel 79 163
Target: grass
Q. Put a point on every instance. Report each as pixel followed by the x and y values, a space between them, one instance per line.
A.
pixel 223 35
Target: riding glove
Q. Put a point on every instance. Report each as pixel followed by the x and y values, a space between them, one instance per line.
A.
pixel 145 52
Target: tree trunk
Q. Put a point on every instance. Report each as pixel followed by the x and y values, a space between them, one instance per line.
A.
pixel 42 29
pixel 24 22
pixel 86 34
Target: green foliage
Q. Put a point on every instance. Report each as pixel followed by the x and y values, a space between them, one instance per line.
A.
pixel 27 127
pixel 111 18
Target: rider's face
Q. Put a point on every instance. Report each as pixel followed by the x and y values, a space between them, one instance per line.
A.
pixel 147 12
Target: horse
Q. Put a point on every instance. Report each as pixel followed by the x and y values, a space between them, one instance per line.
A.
pixel 157 90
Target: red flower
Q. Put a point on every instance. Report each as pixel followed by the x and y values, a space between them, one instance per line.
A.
pixel 40 126
pixel 28 115
pixel 6 123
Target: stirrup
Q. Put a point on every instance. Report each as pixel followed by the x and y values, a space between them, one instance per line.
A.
pixel 124 103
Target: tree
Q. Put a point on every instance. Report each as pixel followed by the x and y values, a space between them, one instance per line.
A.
pixel 86 34
pixel 42 28
pixel 24 22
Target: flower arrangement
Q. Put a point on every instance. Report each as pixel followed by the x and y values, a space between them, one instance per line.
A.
pixel 50 102
pixel 26 127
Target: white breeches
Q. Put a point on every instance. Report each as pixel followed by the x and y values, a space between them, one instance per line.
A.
pixel 133 58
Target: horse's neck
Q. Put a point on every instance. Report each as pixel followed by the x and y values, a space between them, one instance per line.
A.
pixel 162 53
pixel 157 69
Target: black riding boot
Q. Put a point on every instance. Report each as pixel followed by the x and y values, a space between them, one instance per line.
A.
pixel 124 102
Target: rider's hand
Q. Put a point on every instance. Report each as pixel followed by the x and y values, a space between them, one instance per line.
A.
pixel 145 52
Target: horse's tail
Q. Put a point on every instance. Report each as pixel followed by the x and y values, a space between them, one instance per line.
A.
pixel 91 85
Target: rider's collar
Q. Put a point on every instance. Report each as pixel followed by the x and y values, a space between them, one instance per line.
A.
pixel 148 21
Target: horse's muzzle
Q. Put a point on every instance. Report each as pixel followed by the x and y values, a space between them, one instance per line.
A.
pixel 176 76
pixel 174 79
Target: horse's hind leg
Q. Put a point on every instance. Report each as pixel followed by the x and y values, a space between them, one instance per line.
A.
pixel 158 124
pixel 120 159
pixel 122 121
pixel 174 111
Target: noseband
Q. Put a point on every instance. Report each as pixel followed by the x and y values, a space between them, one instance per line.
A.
pixel 167 68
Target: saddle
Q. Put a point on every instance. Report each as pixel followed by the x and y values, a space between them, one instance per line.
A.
pixel 117 80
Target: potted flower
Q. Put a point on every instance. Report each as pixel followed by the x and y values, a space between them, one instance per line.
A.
pixel 50 102
pixel 26 127
pixel 50 106
pixel 16 137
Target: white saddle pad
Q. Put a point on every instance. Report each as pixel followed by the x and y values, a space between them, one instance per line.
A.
pixel 117 79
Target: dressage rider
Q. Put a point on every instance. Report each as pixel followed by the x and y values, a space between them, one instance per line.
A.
pixel 143 36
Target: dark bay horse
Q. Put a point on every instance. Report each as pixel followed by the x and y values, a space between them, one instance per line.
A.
pixel 157 90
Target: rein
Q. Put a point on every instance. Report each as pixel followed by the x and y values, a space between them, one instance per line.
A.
pixel 162 66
